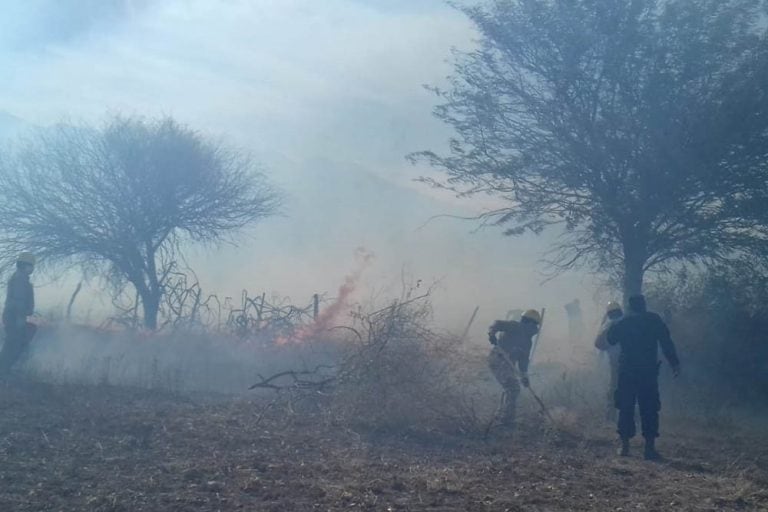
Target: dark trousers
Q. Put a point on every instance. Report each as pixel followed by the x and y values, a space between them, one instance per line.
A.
pixel 639 387
pixel 17 338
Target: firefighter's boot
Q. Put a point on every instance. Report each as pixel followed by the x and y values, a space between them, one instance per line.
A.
pixel 650 452
pixel 624 448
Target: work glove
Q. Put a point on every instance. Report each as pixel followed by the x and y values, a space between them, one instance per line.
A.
pixel 524 380
pixel 492 338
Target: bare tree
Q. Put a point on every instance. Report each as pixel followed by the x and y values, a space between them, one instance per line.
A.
pixel 125 198
pixel 639 127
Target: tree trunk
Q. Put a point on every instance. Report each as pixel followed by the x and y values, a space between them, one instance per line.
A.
pixel 151 307
pixel 634 270
pixel 150 304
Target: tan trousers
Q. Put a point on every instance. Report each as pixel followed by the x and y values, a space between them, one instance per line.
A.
pixel 507 376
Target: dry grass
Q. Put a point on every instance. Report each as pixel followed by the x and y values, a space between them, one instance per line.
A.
pixel 108 449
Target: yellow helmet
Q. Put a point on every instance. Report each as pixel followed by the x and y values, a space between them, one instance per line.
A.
pixel 613 306
pixel 532 314
pixel 26 257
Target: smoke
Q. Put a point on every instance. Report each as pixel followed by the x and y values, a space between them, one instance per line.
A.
pixel 327 317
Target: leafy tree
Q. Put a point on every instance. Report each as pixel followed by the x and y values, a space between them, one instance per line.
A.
pixel 639 127
pixel 125 198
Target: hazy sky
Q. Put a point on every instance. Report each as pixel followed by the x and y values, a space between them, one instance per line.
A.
pixel 327 94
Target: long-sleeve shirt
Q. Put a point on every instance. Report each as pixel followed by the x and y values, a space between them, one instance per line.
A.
pixel 20 298
pixel 514 341
pixel 640 336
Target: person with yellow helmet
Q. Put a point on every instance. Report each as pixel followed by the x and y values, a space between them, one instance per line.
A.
pixel 19 304
pixel 613 313
pixel 509 357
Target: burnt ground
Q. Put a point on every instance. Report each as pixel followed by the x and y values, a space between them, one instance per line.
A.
pixel 67 448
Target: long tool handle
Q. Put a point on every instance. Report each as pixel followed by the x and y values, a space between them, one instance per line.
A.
pixel 543 407
pixel 469 324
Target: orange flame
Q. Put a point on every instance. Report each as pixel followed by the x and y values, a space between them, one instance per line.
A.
pixel 327 317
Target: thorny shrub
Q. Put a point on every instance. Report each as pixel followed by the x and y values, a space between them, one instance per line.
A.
pixel 400 373
pixel 391 370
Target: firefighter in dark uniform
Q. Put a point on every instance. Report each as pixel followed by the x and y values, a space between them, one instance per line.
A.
pixel 19 304
pixel 509 358
pixel 639 334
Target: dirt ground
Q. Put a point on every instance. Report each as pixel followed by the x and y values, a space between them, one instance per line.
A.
pixel 70 448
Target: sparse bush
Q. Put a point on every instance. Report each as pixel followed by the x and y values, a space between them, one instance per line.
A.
pixel 392 371
pixel 719 320
pixel 401 373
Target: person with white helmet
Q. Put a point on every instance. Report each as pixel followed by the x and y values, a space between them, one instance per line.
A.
pixel 509 358
pixel 613 313
pixel 19 304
